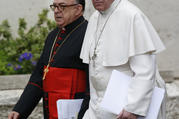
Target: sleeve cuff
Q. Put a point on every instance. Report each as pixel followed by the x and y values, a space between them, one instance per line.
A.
pixel 139 97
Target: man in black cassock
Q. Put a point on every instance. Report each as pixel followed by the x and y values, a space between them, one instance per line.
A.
pixel 59 73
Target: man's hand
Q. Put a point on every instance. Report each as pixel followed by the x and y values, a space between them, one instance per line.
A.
pixel 126 115
pixel 13 115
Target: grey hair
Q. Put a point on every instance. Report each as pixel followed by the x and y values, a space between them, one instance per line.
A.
pixel 82 2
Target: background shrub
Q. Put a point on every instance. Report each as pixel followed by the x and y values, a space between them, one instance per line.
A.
pixel 18 55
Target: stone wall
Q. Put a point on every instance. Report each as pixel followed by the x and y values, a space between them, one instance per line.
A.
pixel 15 9
pixel 36 114
pixel 172 100
pixel 11 93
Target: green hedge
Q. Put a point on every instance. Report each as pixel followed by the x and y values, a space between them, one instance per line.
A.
pixel 18 55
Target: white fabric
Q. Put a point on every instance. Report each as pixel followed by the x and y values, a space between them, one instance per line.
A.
pixel 141 90
pixel 127 42
pixel 127 30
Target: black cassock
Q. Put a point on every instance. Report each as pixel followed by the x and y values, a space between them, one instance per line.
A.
pixel 66 62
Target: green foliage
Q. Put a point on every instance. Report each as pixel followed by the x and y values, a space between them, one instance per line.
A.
pixel 18 55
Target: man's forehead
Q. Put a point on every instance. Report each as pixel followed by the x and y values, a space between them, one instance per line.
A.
pixel 64 1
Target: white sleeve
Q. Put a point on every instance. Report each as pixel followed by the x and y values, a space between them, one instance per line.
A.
pixel 140 90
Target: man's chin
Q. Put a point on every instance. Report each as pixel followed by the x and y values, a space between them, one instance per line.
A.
pixel 60 25
pixel 99 8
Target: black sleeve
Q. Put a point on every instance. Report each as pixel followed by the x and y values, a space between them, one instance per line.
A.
pixel 85 103
pixel 32 92
pixel 28 100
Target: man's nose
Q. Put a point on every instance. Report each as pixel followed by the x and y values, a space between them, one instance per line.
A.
pixel 56 9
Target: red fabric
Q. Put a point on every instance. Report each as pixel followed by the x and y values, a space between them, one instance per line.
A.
pixel 59 38
pixel 62 83
pixel 56 44
pixel 63 31
pixel 35 84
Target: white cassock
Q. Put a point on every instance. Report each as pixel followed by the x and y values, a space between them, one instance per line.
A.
pixel 122 38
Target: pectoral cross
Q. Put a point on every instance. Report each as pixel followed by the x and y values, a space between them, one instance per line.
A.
pixel 45 71
pixel 93 58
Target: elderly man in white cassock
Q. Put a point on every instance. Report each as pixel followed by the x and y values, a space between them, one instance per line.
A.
pixel 119 36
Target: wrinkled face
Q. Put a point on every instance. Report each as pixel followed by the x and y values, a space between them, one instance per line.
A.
pixel 102 5
pixel 66 15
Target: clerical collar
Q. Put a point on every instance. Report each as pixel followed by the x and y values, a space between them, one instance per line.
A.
pixel 111 8
pixel 72 25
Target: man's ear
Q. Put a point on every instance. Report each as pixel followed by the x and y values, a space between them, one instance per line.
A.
pixel 79 8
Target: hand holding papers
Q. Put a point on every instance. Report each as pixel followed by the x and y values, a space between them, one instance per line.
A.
pixel 68 109
pixel 118 84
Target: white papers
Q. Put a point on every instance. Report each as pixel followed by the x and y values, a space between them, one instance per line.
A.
pixel 68 109
pixel 115 97
pixel 156 101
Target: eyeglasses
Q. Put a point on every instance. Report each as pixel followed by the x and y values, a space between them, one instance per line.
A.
pixel 60 6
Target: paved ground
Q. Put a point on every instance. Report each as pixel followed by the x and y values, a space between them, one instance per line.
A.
pixel 9 97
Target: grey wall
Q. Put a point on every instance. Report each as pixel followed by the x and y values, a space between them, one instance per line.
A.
pixel 164 15
pixel 28 9
pixel 14 9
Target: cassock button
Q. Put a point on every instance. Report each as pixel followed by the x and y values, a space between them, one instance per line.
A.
pixel 54 52
pixel 56 44
pixel 59 38
pixel 63 31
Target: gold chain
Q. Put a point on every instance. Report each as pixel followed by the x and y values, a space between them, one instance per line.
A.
pixel 52 56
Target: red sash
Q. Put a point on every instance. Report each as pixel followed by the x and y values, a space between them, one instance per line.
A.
pixel 62 83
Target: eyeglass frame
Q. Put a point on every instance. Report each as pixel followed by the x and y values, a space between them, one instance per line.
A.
pixel 61 6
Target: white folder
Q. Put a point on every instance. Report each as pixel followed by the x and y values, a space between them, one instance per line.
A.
pixel 68 108
pixel 115 97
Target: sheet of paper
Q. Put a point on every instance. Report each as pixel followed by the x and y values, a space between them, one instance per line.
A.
pixel 115 97
pixel 157 97
pixel 68 109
